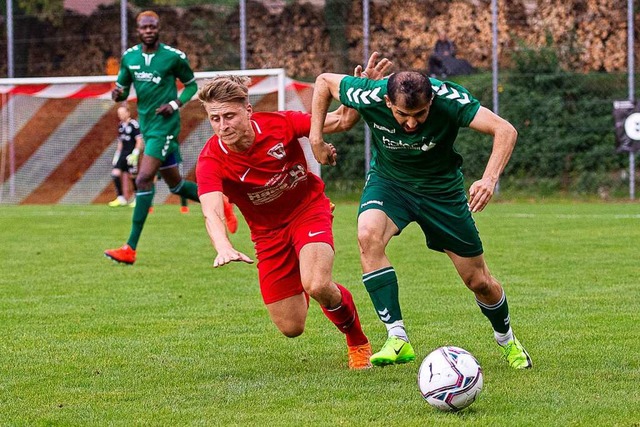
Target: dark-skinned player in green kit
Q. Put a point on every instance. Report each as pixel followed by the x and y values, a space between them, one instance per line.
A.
pixel 153 67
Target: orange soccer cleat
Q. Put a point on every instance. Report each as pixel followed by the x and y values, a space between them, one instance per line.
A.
pixel 124 255
pixel 184 209
pixel 230 216
pixel 359 356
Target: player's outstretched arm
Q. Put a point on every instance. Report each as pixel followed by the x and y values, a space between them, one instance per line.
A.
pixel 213 211
pixel 504 139
pixel 344 118
pixel 325 89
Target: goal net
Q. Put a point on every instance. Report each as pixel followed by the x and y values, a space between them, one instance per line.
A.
pixel 58 135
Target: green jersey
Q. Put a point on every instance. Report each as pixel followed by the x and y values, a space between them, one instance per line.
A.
pixel 425 160
pixel 154 77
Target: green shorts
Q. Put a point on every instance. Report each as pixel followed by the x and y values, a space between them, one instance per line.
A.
pixel 445 219
pixel 163 147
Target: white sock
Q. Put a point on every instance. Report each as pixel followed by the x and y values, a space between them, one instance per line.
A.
pixel 503 339
pixel 397 329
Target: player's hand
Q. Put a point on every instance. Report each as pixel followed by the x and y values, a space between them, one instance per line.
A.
pixel 480 193
pixel 132 159
pixel 230 255
pixel 375 70
pixel 116 93
pixel 165 110
pixel 324 153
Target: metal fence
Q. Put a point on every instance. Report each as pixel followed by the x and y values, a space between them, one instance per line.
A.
pixel 307 38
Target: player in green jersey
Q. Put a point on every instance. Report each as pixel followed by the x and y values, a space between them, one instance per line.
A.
pixel 153 67
pixel 415 176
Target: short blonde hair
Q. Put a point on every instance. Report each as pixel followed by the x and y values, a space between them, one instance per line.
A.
pixel 225 88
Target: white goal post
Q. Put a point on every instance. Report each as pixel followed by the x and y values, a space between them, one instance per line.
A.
pixel 58 134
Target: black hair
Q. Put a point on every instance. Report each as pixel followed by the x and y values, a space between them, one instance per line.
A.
pixel 413 87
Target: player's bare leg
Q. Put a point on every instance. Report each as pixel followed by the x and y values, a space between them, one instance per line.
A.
pixel 289 315
pixel 127 185
pixel 316 264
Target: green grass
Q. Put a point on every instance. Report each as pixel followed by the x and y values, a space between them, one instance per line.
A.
pixel 171 341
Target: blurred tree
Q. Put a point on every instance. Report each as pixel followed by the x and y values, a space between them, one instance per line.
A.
pixel 27 13
pixel 336 13
pixel 49 10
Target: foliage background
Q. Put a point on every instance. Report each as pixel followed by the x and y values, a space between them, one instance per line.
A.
pixel 565 123
pixel 557 82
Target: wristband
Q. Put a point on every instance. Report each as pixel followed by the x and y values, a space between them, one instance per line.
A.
pixel 135 152
pixel 174 105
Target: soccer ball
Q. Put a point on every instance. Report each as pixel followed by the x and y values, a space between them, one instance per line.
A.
pixel 450 378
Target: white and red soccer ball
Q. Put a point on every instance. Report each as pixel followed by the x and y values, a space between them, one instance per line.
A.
pixel 450 378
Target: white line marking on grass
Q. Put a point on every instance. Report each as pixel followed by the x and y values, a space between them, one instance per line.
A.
pixel 576 216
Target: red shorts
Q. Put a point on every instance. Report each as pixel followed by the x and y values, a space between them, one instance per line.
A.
pixel 278 250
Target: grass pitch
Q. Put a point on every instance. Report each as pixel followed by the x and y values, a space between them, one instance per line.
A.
pixel 172 341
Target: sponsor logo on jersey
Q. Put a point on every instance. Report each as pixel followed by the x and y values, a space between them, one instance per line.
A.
pixel 277 151
pixel 377 126
pixel 399 145
pixel 146 76
pixel 278 184
pixel 429 146
pixel 143 76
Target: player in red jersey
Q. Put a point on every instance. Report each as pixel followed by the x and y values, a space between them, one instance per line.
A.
pixel 257 161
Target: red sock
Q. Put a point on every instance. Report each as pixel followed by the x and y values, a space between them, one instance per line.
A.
pixel 345 317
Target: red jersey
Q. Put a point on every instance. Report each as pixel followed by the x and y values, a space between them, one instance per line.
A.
pixel 269 182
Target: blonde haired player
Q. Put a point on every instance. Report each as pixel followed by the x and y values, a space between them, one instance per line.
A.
pixel 257 160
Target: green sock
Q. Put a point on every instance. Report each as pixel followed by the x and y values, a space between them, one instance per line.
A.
pixel 187 189
pixel 144 200
pixel 498 314
pixel 382 286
